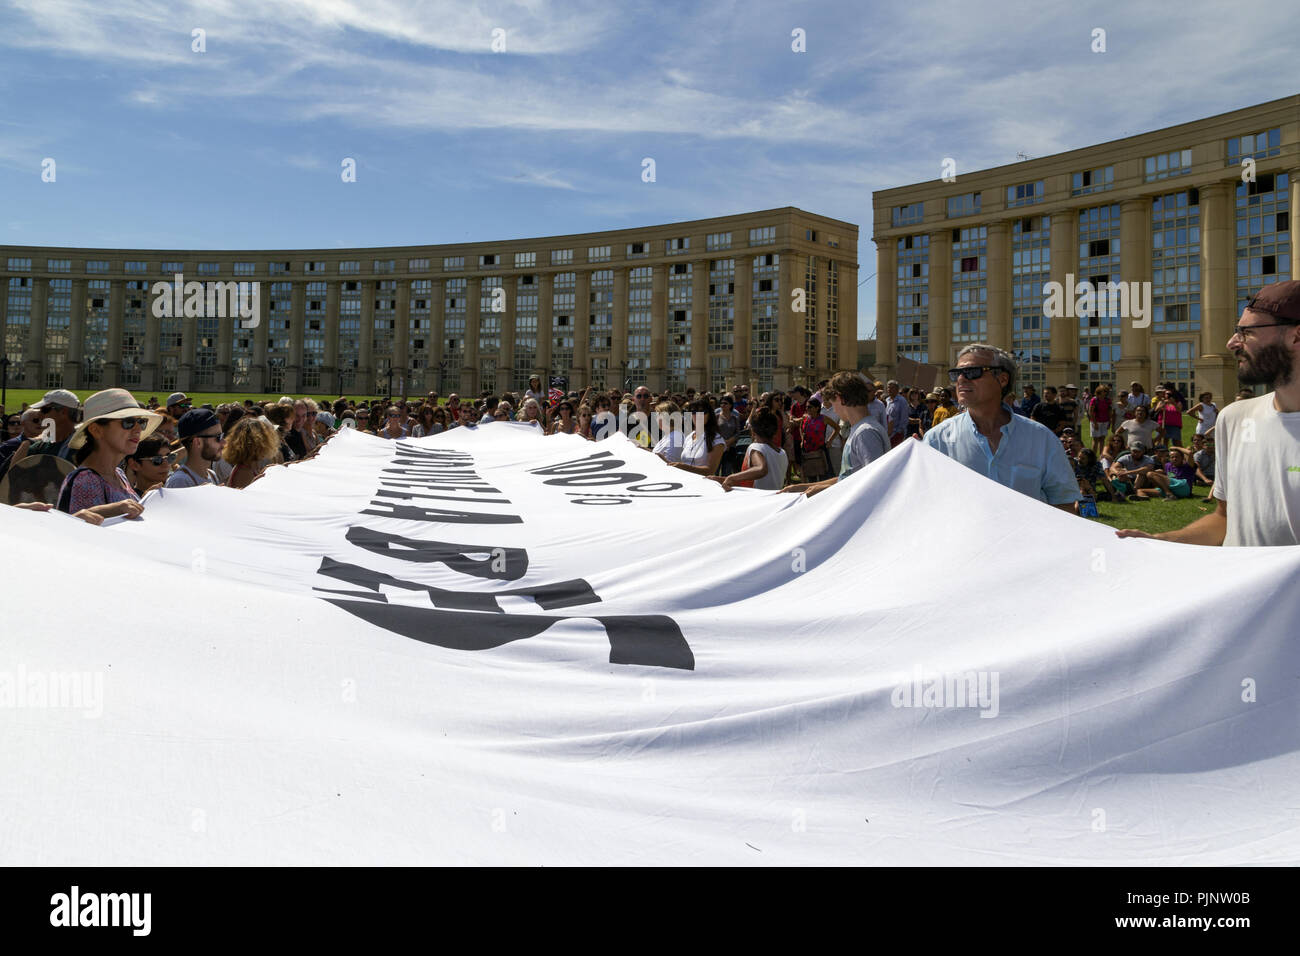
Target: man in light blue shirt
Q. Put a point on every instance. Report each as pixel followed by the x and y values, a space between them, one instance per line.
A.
pixel 896 412
pixel 1012 450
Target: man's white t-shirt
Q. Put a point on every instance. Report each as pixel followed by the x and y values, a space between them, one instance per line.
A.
pixel 1258 473
pixel 1135 430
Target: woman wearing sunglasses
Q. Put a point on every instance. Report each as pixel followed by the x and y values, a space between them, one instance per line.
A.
pixel 149 467
pixel 393 427
pixel 564 422
pixel 112 430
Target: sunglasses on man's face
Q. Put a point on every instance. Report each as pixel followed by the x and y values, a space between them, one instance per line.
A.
pixel 158 460
pixel 971 372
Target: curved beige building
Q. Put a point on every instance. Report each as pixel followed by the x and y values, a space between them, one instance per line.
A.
pixel 1199 216
pixel 768 296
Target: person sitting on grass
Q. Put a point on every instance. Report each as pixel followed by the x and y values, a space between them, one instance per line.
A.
pixel 1090 474
pixel 1130 473
pixel 765 462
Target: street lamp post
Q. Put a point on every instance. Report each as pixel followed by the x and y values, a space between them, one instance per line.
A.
pixel 390 380
pixel 4 378
pixel 627 382
pixel 442 367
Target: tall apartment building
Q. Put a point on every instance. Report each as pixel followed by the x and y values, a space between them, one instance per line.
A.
pixel 1206 212
pixel 704 304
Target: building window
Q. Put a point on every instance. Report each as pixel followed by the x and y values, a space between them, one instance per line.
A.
pixel 561 257
pixel 488 259
pixel 1178 365
pixel 1255 146
pixel 1176 263
pixel 1092 181
pixel 913 305
pixel 453 263
pixel 1177 163
pixel 1025 194
pixel 349 267
pixel 92 265
pixel 1098 265
pixel 717 240
pixel 275 268
pixel 640 283
pixel 525 260
pixel 383 266
pixel 245 268
pixel 58 265
pixel 598 254
pixel 908 215
pixel 313 267
pixel 171 268
pixel 673 246
pixel 967 204
pixel 810 235
pixel 600 315
pixel 762 236
pixel 58 323
pixel 417 265
pixel 1263 244
pixel 638 250
pixel 764 316
pixel 94 342
pixel 25 265
pixel 970 285
pixel 1031 267
pixel 209 268
pixel 563 293
pixel 722 319
pixel 136 267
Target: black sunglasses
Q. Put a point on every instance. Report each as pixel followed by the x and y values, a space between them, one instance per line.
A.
pixel 972 372
pixel 155 460
pixel 129 423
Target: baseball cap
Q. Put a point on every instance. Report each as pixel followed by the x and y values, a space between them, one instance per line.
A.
pixel 59 396
pixel 1075 387
pixel 177 398
pixel 194 421
pixel 1280 300
pixel 1137 446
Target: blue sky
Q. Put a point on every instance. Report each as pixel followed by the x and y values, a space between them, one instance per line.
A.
pixel 240 146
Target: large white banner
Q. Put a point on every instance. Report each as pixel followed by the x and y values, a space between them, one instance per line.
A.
pixel 496 647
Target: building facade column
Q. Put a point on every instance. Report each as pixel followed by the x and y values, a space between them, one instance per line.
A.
pixel 469 377
pixel 1137 358
pixel 1063 331
pixel 997 274
pixel 618 345
pixel 1216 368
pixel 35 372
pixel 697 376
pixel 744 304
pixel 939 289
pixel 848 288
pixel 402 335
pixel 1293 178
pixel 366 348
pixel 580 375
pixel 506 354
pixel 545 317
pixel 329 376
pixel 258 376
pixel 297 332
pixel 74 373
pixel 789 323
pixel 886 366
pixel 151 366
pixel 113 351
pixel 658 377
pixel 225 344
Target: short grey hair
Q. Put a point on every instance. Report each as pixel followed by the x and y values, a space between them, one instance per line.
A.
pixel 1001 358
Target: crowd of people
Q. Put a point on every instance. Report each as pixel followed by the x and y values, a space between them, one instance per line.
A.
pixel 1064 450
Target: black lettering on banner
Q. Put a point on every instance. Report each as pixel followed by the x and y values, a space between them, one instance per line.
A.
pixel 412 513
pixel 549 597
pixel 513 562
pixel 651 640
pixel 590 465
pixel 595 481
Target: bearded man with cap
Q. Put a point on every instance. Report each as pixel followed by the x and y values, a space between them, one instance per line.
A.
pixel 1257 440
pixel 178 403
pixel 199 431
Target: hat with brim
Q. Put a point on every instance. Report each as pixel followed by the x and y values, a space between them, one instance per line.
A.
pixel 113 403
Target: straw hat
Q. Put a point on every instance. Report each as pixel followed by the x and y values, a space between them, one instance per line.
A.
pixel 112 403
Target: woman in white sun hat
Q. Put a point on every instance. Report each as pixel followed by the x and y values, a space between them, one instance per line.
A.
pixel 111 429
